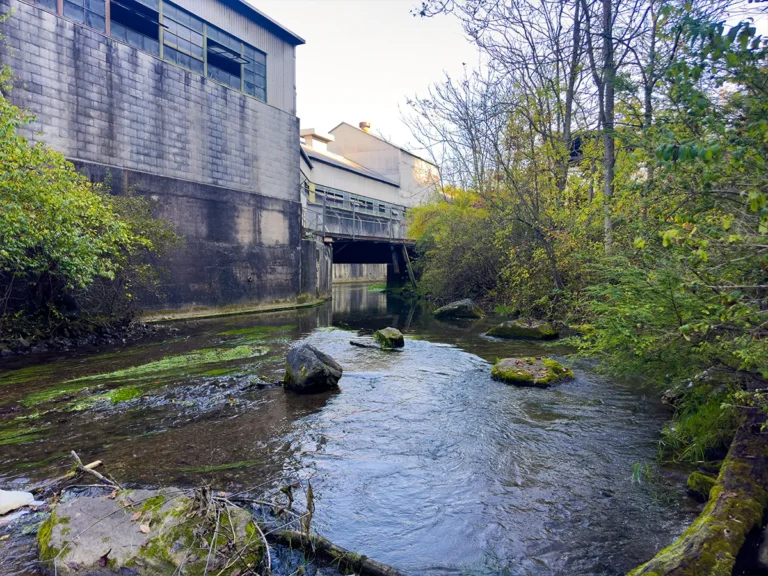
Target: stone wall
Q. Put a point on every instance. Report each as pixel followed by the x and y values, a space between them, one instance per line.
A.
pixel 359 273
pixel 222 166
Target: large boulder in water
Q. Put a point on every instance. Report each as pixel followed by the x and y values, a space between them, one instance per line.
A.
pixel 389 338
pixel 307 370
pixel 535 329
pixel 460 309
pixel 145 532
pixel 536 372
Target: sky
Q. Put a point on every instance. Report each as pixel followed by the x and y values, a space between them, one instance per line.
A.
pixel 364 57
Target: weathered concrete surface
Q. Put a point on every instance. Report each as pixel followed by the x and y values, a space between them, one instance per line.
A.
pixel 308 370
pixel 220 165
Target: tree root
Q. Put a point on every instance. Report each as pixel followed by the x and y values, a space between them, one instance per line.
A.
pixel 320 547
pixel 735 507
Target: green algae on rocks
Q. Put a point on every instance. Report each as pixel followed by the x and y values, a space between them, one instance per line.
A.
pixel 536 372
pixel 524 329
pixel 148 532
pixel 735 507
pixel 699 485
pixel 389 338
pixel 191 362
pixel 462 309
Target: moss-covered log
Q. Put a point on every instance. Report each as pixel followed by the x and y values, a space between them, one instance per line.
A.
pixel 318 546
pixel 735 507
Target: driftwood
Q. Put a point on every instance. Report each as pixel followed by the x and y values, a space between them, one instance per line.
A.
pixel 337 556
pixel 735 507
pixel 52 484
pixel 79 468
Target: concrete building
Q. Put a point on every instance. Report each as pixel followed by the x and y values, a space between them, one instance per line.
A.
pixel 193 103
pixel 357 185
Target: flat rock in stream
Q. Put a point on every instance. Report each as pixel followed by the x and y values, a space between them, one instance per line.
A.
pixel 146 532
pixel 535 372
pixel 308 370
pixel 460 309
pixel 534 329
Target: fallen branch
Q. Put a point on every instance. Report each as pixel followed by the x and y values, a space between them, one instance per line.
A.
pixel 735 507
pixel 318 546
pixel 87 470
pixel 40 488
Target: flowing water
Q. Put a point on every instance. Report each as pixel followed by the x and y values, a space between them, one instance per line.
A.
pixel 420 460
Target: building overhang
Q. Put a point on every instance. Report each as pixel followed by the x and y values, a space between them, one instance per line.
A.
pixel 253 13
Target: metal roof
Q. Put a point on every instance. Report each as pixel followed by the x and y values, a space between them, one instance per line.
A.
pixel 249 11
pixel 345 164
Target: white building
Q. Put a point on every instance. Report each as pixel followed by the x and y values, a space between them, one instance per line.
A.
pixel 369 181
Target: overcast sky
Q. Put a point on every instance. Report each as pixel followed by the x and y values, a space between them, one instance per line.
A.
pixel 364 57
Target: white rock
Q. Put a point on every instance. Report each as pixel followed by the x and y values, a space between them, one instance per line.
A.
pixel 14 499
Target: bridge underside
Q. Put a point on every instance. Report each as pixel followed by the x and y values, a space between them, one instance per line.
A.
pixel 370 251
pixel 373 251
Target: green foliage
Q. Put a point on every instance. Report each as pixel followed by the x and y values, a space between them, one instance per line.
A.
pixel 702 428
pixel 683 290
pixel 456 239
pixel 65 243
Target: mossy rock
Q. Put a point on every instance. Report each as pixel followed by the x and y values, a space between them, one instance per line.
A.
pixel 699 485
pixel 535 372
pixel 534 329
pixel 144 532
pixel 389 338
pixel 466 309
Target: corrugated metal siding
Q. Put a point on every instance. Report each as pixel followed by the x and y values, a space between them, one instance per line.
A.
pixel 281 61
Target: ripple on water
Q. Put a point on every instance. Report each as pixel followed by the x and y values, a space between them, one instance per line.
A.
pixel 421 461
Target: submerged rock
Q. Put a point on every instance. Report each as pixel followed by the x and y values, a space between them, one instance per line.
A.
pixel 537 372
pixel 13 499
pixel 460 309
pixel 145 532
pixel 699 485
pixel 536 329
pixel 307 370
pixel 389 338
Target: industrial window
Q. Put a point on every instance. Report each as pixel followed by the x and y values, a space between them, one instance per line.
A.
pixel 136 22
pixel 224 58
pixel 382 209
pixel 183 38
pixel 92 13
pixel 255 73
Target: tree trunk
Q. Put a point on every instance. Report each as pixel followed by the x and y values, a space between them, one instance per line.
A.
pixel 337 556
pixel 735 507
pixel 609 138
pixel 573 74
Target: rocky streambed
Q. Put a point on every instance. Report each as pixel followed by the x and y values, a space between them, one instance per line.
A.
pixel 418 458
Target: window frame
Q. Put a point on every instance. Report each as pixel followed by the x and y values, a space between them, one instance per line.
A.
pixel 161 40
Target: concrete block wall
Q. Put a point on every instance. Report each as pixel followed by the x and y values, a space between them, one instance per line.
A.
pixel 223 166
pixel 343 273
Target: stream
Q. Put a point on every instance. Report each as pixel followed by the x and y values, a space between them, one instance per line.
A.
pixel 420 461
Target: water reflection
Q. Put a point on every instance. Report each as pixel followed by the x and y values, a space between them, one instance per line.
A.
pixel 421 460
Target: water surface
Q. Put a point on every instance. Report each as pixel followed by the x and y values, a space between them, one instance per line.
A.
pixel 420 460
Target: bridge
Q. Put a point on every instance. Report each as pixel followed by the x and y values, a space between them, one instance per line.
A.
pixel 360 229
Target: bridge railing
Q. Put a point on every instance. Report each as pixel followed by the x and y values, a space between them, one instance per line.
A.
pixel 334 212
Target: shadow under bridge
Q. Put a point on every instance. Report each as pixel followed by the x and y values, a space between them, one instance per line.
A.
pixel 361 230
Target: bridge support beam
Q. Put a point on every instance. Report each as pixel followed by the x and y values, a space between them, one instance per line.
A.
pixel 397 273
